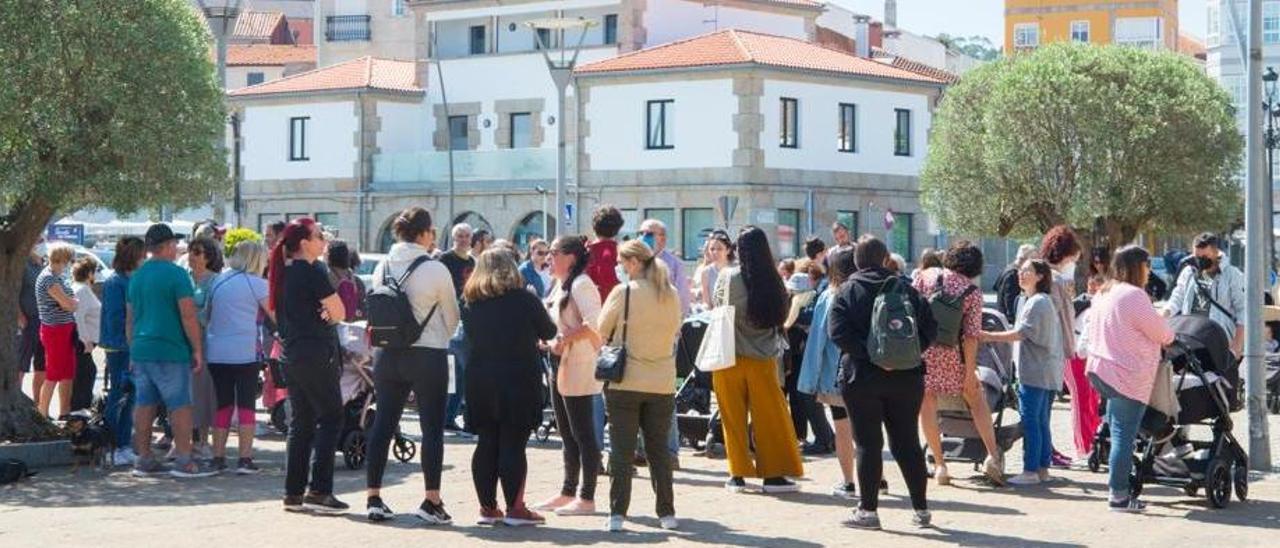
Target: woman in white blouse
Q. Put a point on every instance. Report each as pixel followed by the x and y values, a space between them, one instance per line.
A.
pixel 88 321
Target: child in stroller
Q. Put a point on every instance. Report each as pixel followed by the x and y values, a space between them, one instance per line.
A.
pixel 1205 378
pixel 358 398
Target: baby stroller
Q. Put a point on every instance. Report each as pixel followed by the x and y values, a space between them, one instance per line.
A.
pixel 547 415
pixel 960 439
pixel 694 405
pixel 1205 377
pixel 358 400
pixel 1273 383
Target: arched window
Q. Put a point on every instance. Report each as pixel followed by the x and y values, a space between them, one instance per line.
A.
pixel 477 222
pixel 531 227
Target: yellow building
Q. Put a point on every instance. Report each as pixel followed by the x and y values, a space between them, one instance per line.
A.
pixel 1142 23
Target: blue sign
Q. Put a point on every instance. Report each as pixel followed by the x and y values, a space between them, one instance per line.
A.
pixel 66 233
pixel 568 213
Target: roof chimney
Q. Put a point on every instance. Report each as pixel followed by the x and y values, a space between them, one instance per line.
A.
pixel 862 35
pixel 891 13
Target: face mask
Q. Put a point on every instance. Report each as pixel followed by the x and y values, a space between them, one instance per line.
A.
pixel 650 240
pixel 1204 263
pixel 622 274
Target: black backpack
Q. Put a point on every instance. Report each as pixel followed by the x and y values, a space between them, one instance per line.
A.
pixel 392 324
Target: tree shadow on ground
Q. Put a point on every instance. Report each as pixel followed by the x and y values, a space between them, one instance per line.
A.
pixel 691 531
pixel 971 538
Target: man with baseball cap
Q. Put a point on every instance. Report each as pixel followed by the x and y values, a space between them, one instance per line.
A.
pixel 165 348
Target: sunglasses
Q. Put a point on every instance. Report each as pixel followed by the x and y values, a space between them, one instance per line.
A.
pixel 540 253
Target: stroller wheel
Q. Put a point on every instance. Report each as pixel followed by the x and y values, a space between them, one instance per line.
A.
pixel 353 449
pixel 1135 479
pixel 542 434
pixel 1095 461
pixel 404 449
pixel 280 417
pixel 1218 483
pixel 1240 477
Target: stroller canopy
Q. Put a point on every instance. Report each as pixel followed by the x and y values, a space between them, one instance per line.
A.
pixel 1206 339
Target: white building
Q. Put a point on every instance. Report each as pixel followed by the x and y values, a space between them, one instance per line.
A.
pixel 679 103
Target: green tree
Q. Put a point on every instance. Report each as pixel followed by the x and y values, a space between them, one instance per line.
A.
pixel 237 235
pixel 977 47
pixel 1125 139
pixel 103 103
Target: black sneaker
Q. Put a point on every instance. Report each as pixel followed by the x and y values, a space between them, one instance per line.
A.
pixel 219 464
pixel 293 503
pixel 735 485
pixel 780 485
pixel 433 514
pixel 378 511
pixel 884 486
pixel 324 504
pixel 246 467
pixel 1130 506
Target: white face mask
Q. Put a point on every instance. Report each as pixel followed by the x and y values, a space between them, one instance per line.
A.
pixel 1068 267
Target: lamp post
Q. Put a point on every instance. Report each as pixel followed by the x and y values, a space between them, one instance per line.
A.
pixel 561 67
pixel 1271 139
pixel 546 219
pixel 221 15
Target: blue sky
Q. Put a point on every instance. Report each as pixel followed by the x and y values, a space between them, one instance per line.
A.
pixel 984 17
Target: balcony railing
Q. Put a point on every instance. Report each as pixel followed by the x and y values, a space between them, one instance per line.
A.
pixel 491 169
pixel 347 28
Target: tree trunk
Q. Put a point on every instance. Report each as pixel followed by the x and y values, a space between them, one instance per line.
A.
pixel 19 419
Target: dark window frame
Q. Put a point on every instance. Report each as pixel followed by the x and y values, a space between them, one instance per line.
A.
pixel 789 126
pixel 482 41
pixel 610 29
pixel 466 134
pixel 847 139
pixel 298 138
pixel 543 36
pixel 901 145
pixel 511 129
pixel 260 76
pixel 658 141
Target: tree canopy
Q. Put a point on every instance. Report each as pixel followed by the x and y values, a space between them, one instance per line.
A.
pixel 103 103
pixel 977 47
pixel 1130 139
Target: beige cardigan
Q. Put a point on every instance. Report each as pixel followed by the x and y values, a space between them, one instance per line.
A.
pixel 651 340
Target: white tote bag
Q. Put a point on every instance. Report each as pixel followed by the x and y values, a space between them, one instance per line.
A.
pixel 718 346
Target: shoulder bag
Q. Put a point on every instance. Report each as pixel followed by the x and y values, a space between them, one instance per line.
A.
pixel 612 361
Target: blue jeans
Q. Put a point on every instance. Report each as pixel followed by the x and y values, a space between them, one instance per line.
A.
pixel 120 398
pixel 1037 441
pixel 460 351
pixel 157 382
pixel 1123 417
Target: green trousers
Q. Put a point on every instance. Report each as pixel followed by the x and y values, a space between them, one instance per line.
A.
pixel 650 414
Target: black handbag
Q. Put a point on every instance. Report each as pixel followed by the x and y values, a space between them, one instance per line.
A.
pixel 612 361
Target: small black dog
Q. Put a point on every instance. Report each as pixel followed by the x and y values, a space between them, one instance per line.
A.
pixel 91 442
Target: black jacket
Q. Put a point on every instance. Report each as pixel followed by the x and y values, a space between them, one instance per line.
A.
pixel 1007 292
pixel 849 321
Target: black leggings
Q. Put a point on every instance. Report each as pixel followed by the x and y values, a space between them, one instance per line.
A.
pixel 891 399
pixel 235 385
pixel 500 456
pixel 576 419
pixel 425 371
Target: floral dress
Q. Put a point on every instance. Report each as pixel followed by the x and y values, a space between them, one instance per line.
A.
pixel 944 368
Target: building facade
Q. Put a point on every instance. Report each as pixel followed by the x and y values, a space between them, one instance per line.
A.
pixel 1142 23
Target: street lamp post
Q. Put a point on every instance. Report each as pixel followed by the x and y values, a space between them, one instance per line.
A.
pixel 1271 139
pixel 561 67
pixel 221 15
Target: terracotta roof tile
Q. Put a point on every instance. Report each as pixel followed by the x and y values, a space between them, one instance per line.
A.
pixel 257 24
pixel 737 47
pixel 269 55
pixel 1191 45
pixel 363 73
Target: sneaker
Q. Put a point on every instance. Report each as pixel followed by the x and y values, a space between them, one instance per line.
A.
pixel 293 503
pixel 1025 478
pixel 1058 460
pixel 490 516
pixel 1129 506
pixel 1045 477
pixel 190 468
pixel 884 486
pixel 578 507
pixel 246 467
pixel 922 518
pixel 780 485
pixel 551 504
pixel 202 451
pixel 522 516
pixel 862 519
pixel 942 476
pixel 218 464
pixel 640 460
pixel 164 443
pixel 433 514
pixel 816 450
pixel 669 523
pixel 993 468
pixel 846 491
pixel 148 466
pixel 324 504
pixel 735 485
pixel 614 525
pixel 123 456
pixel 378 510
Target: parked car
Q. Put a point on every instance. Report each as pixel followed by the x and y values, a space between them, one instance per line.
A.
pixel 368 262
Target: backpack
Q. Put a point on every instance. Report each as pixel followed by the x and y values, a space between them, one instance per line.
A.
pixel 948 311
pixel 893 342
pixel 12 470
pixel 392 324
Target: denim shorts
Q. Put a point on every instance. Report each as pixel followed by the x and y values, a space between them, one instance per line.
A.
pixel 162 382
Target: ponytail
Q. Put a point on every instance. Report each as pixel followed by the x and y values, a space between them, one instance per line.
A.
pixel 653 270
pixel 288 244
pixel 577 247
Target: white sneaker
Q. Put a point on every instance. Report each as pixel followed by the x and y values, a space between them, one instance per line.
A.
pixel 846 491
pixel 614 524
pixel 124 456
pixel 669 523
pixel 1025 478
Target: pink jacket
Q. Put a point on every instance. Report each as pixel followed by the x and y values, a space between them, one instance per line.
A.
pixel 1124 335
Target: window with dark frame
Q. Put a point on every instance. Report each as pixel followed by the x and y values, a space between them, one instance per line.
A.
pixel 543 39
pixel 902 132
pixel 847 141
pixel 658 124
pixel 611 29
pixel 477 40
pixel 521 130
pixel 298 139
pixel 255 78
pixel 788 136
pixel 458 133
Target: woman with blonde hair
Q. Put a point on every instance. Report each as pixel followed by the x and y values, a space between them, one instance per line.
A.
pixel 644 400
pixel 57 305
pixel 234 306
pixel 505 324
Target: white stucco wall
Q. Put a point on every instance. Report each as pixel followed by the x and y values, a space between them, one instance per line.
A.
pixel 405 127
pixel 238 77
pixel 330 141
pixel 670 20
pixel 918 48
pixel 702 125
pixel 819 125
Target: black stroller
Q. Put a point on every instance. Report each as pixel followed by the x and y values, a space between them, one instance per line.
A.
pixel 546 415
pixel 359 398
pixel 694 413
pixel 1205 378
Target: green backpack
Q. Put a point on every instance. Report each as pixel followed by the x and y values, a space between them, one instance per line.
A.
pixel 894 342
pixel 948 312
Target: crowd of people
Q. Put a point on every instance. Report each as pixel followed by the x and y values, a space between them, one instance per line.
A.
pixel 844 343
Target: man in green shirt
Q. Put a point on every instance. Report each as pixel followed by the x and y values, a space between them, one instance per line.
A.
pixel 165 347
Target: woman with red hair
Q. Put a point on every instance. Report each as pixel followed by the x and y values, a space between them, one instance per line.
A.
pixel 306 308
pixel 1061 249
